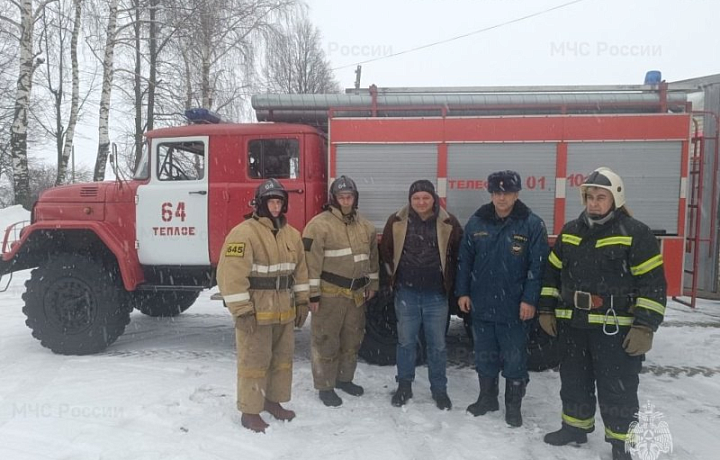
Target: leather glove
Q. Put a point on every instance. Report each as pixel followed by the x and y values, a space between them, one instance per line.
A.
pixel 548 323
pixel 246 323
pixel 301 314
pixel 638 340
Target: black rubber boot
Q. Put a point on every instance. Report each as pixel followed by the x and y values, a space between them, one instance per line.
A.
pixel 488 399
pixel 403 393
pixel 330 398
pixel 564 436
pixel 514 392
pixel 442 400
pixel 618 452
pixel 350 388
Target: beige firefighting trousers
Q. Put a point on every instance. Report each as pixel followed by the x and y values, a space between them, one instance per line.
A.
pixel 264 367
pixel 338 328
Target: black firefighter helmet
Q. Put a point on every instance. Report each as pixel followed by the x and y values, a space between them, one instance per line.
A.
pixel 271 188
pixel 343 184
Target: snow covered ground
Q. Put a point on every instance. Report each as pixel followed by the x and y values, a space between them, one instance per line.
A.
pixel 166 390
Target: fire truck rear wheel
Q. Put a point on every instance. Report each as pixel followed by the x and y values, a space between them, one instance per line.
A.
pixel 379 346
pixel 76 305
pixel 164 303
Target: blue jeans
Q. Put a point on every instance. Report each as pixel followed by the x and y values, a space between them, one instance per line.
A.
pixel 415 308
pixel 500 345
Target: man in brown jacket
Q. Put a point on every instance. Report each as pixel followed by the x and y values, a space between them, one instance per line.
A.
pixel 263 280
pixel 342 259
pixel 420 248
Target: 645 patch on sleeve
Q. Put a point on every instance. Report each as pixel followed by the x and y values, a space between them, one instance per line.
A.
pixel 235 250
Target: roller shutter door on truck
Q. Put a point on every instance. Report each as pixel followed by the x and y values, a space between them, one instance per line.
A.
pixel 383 174
pixel 470 164
pixel 650 172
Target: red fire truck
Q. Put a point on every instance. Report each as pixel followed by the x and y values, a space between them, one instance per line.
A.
pixel 152 242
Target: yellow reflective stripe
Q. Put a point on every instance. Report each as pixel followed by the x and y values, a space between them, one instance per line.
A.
pixel 646 266
pixel 282 366
pixel 251 372
pixel 572 239
pixel 275 316
pixel 555 261
pixel 612 435
pixel 563 313
pixel 614 240
pixel 600 319
pixel 550 292
pixel 643 302
pixel 585 424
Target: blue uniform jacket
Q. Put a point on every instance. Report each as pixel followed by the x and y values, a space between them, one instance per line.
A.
pixel 501 262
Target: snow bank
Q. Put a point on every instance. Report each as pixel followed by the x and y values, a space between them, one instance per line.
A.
pixel 12 214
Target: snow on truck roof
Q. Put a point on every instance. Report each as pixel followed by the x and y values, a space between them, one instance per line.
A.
pixel 230 129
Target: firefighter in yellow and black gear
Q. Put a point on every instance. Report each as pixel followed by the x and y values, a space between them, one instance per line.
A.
pixel 343 268
pixel 604 295
pixel 263 280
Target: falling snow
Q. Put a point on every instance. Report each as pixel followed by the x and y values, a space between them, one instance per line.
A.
pixel 166 390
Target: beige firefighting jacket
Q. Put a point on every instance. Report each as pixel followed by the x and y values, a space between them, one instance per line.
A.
pixel 344 246
pixel 250 253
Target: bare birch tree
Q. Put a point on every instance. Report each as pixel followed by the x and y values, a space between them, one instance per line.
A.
pixel 75 95
pixel 295 62
pixel 28 61
pixel 219 46
pixel 8 60
pixel 60 30
pixel 107 81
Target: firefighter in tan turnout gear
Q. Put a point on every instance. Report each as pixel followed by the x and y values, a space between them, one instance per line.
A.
pixel 604 295
pixel 342 259
pixel 263 280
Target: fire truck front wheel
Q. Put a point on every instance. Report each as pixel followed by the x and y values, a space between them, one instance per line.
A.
pixel 76 305
pixel 164 303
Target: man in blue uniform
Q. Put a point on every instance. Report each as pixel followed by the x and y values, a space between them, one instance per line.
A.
pixel 502 256
pixel 604 295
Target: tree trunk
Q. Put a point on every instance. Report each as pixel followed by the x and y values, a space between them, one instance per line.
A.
pixel 138 135
pixel 75 98
pixel 103 135
pixel 18 130
pixel 152 80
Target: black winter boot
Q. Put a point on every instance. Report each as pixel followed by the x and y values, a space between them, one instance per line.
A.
pixel 514 392
pixel 488 399
pixel 442 400
pixel 564 436
pixel 619 453
pixel 350 388
pixel 330 398
pixel 403 393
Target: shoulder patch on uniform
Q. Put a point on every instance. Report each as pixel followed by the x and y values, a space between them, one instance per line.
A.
pixel 235 250
pixel 307 243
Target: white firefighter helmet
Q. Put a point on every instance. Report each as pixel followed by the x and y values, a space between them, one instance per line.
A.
pixel 604 177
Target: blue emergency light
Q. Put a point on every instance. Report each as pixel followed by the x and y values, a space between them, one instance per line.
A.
pixel 202 116
pixel 653 77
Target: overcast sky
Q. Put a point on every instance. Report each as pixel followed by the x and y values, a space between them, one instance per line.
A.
pixel 584 42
